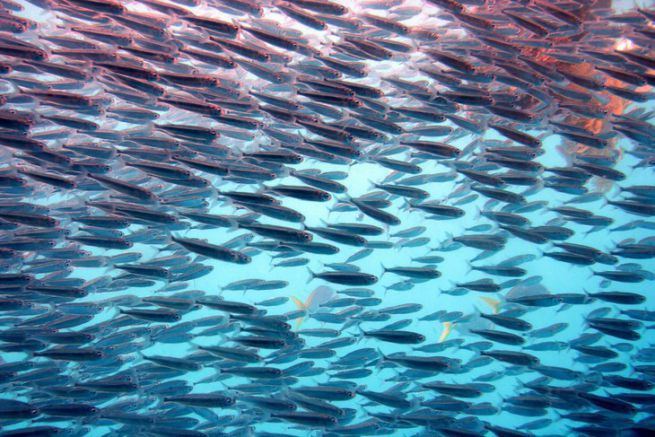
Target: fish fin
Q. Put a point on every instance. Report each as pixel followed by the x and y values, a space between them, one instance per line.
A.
pixel 309 301
pixel 299 304
pixel 361 334
pixel 312 275
pixel 493 303
pixel 382 355
pixel 447 326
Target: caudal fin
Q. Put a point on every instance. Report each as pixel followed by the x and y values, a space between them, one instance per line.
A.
pixel 312 275
pixel 301 306
pixel 445 333
pixel 493 303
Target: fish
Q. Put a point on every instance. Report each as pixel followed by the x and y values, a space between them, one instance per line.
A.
pixel 465 181
pixel 212 250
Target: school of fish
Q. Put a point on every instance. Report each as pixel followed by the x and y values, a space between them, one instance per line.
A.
pixel 326 218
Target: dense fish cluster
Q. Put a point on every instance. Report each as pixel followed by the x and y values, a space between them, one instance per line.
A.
pixel 311 217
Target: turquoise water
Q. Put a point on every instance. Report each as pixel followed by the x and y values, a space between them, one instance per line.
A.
pixel 544 275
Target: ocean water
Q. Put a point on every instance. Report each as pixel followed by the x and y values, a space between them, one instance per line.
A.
pixel 543 274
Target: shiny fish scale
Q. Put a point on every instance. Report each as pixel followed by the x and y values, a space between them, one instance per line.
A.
pixel 492 158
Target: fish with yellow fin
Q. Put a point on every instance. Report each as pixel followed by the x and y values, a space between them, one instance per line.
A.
pixel 316 298
pixel 493 303
pixel 447 327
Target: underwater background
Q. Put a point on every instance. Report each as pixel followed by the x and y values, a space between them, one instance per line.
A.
pixel 373 128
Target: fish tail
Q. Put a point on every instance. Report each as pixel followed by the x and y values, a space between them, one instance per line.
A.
pixel 174 239
pixel 312 275
pixel 447 327
pixel 361 334
pixel 299 304
pixel 234 226
pixel 380 362
pixel 493 303
pixel 308 302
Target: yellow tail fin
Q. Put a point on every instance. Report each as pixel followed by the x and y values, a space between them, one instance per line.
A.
pixel 298 302
pixel 493 303
pixel 301 306
pixel 447 327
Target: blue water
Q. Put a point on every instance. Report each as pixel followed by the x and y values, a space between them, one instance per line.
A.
pixel 433 295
